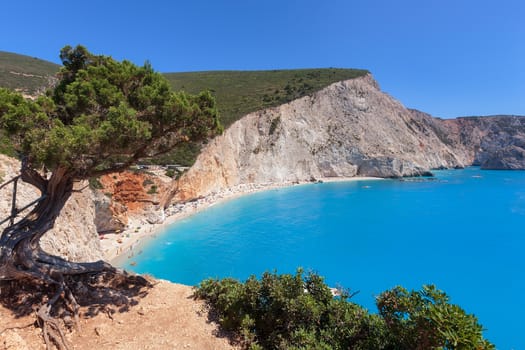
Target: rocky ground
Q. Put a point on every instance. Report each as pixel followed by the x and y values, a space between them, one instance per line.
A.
pixel 166 318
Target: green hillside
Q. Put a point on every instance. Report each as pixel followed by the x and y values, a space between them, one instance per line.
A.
pixel 242 92
pixel 24 73
pixel 237 92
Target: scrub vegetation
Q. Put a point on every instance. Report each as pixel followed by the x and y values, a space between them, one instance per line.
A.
pixel 241 92
pixel 300 312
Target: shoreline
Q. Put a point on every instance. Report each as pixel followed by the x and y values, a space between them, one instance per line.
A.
pixel 120 246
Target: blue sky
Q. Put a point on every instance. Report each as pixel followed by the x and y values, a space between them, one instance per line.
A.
pixel 445 57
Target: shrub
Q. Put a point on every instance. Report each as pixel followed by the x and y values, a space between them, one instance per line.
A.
pixel 147 182
pixel 6 146
pixel 95 184
pixel 170 173
pixel 152 189
pixel 289 312
pixel 274 124
pixel 299 312
pixel 425 319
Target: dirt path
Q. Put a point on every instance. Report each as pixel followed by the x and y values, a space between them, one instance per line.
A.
pixel 167 318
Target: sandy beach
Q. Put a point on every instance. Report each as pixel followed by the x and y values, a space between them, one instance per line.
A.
pixel 126 244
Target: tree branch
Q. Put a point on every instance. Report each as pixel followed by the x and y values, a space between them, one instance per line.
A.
pixel 32 177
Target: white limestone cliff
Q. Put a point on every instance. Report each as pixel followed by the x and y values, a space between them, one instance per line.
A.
pixel 350 128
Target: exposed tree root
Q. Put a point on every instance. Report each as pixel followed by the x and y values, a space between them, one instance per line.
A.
pixel 16 327
pixel 58 306
pixel 53 288
pixel 51 330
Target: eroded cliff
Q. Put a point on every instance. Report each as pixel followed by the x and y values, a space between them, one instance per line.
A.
pixel 348 129
pixel 131 195
pixel 494 142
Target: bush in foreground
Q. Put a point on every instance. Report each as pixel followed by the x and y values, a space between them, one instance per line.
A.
pixel 299 312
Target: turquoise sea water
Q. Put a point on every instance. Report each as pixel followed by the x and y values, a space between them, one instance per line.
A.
pixel 462 231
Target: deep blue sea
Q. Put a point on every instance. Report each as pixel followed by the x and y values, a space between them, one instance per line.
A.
pixel 463 230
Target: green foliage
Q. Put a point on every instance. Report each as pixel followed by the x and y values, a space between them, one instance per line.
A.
pixel 104 112
pixel 6 146
pixel 184 155
pixel 152 189
pixel 170 173
pixel 273 125
pixel 95 184
pixel 242 92
pixel 290 312
pixel 147 182
pixel 424 319
pixel 299 312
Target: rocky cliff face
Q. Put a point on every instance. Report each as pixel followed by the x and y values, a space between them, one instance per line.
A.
pixel 74 236
pixel 495 142
pixel 348 129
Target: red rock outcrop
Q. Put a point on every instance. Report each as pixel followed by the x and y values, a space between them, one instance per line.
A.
pixel 131 194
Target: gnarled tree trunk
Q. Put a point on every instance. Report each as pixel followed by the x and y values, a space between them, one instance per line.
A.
pixel 22 258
